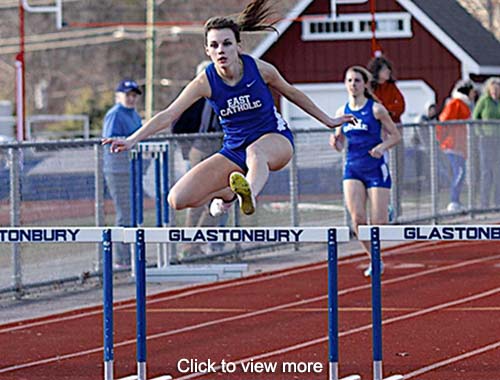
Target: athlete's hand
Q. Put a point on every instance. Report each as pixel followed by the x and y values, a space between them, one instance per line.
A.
pixel 342 119
pixel 336 142
pixel 117 145
pixel 376 152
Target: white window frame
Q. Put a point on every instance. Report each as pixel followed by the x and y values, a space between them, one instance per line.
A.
pixel 333 2
pixel 356 19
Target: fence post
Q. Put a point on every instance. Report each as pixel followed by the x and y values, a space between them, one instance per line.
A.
pixel 471 178
pixel 171 179
pixel 394 191
pixel 16 167
pixel 434 180
pixel 294 195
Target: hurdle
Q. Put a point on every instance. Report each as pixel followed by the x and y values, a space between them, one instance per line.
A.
pixel 141 236
pixel 376 234
pixel 80 235
pixel 241 235
pixel 159 151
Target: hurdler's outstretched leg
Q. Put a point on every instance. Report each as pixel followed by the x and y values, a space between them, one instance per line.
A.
pixel 270 152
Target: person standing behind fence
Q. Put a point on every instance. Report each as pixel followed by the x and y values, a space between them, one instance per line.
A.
pixel 366 172
pixel 488 108
pixel 121 120
pixel 256 138
pixel 200 118
pixel 385 90
pixel 452 139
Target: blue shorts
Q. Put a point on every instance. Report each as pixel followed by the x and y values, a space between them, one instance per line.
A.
pixel 239 155
pixel 374 177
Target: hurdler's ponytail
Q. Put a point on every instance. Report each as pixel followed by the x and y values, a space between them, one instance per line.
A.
pixel 250 19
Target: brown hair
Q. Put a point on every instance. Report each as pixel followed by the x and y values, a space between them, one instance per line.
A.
pixel 249 20
pixel 367 78
pixel 375 65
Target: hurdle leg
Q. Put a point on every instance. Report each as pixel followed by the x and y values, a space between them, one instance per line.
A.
pixel 140 281
pixel 377 307
pixel 158 208
pixel 107 289
pixel 333 309
pixel 133 202
pixel 376 304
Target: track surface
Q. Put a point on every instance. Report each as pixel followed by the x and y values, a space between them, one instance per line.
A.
pixel 441 315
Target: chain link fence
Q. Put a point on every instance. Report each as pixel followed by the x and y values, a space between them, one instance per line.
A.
pixel 61 183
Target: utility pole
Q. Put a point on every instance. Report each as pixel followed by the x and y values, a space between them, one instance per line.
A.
pixel 491 11
pixel 150 56
pixel 20 77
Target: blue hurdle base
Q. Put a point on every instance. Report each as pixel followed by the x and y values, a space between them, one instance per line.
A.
pixel 196 273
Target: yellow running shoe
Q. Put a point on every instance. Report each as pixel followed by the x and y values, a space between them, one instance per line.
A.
pixel 240 186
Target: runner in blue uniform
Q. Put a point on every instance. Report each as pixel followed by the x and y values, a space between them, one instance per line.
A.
pixel 366 172
pixel 257 140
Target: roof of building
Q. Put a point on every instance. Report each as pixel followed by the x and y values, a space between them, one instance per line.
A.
pixel 464 29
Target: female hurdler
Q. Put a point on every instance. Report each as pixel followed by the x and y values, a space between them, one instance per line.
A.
pixel 366 173
pixel 256 138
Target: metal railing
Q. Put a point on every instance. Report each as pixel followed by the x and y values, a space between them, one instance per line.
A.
pixel 59 183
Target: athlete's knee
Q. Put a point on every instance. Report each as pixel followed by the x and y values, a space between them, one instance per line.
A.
pixel 358 219
pixel 254 153
pixel 380 219
pixel 176 200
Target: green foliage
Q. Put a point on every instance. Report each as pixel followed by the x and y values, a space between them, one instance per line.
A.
pixel 92 103
pixel 86 102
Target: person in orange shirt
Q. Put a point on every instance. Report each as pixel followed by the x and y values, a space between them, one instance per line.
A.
pixel 385 90
pixel 452 139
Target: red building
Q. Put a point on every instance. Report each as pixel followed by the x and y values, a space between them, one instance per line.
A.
pixel 431 43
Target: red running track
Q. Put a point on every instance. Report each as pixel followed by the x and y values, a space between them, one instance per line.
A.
pixel 441 316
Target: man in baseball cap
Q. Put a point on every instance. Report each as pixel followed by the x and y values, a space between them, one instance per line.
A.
pixel 121 120
pixel 128 85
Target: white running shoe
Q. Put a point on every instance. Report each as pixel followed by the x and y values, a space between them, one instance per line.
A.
pixel 219 207
pixel 368 271
pixel 240 186
pixel 454 207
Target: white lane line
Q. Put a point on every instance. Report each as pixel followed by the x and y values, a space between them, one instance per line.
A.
pixel 452 360
pixel 354 331
pixel 265 311
pixel 215 287
pixel 124 304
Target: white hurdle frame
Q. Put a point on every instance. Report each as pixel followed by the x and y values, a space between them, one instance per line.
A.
pixel 163 272
pixel 377 234
pixel 241 235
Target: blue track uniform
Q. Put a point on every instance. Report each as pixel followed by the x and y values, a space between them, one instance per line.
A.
pixel 246 111
pixel 361 138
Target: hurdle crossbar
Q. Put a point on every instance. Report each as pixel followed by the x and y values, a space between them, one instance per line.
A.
pixel 236 235
pixel 433 232
pixel 58 234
